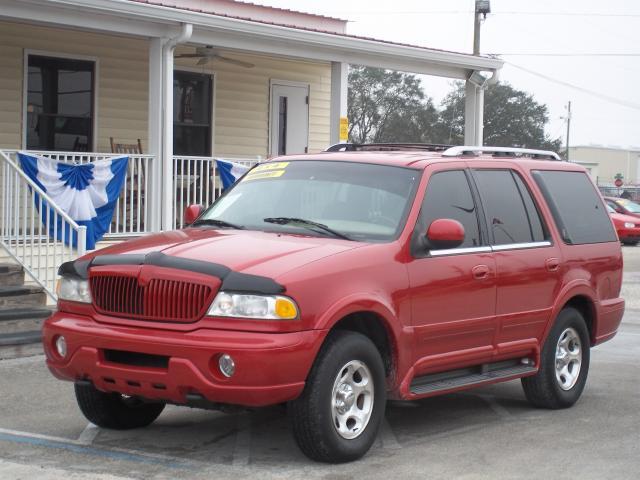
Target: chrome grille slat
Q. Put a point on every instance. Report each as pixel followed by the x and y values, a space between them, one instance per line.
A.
pixel 158 300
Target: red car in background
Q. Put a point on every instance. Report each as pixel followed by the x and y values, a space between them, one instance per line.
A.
pixel 623 206
pixel 627 226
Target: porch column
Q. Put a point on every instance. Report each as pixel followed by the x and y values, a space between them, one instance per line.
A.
pixel 168 190
pixel 338 106
pixel 473 114
pixel 154 195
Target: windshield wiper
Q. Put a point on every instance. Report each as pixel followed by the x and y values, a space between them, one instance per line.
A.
pixel 216 223
pixel 306 223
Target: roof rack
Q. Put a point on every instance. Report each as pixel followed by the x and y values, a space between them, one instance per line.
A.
pixel 501 151
pixel 389 147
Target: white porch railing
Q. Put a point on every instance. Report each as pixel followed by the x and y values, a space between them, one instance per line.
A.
pixel 23 232
pixel 196 181
pixel 131 216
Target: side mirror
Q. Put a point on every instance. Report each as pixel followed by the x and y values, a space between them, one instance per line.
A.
pixel 191 213
pixel 445 233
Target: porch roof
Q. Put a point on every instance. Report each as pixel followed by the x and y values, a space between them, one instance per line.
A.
pixel 136 18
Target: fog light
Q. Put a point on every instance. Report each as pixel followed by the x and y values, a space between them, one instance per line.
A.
pixel 226 364
pixel 61 346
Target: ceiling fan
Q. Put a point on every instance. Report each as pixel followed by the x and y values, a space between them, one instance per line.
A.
pixel 208 54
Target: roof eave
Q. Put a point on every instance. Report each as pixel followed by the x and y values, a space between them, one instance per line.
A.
pixel 272 39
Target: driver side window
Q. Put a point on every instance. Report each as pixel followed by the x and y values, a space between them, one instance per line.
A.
pixel 449 195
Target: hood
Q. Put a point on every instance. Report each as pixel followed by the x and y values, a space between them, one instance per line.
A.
pixel 253 252
pixel 621 218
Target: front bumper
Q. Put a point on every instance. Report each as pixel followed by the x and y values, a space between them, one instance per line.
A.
pixel 271 368
pixel 629 234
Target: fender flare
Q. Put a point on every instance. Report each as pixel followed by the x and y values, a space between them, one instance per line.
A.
pixel 365 302
pixel 574 288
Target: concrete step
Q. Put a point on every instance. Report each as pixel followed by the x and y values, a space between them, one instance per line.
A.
pixel 22 344
pixel 22 297
pixel 15 320
pixel 11 274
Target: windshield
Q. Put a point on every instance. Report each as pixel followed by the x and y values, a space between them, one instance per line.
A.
pixel 610 210
pixel 358 201
pixel 629 205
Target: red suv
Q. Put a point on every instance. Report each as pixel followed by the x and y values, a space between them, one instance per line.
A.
pixel 334 281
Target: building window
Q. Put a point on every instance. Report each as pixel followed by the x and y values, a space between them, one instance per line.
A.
pixel 192 93
pixel 60 97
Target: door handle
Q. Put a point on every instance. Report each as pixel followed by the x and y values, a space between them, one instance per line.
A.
pixel 553 264
pixel 480 272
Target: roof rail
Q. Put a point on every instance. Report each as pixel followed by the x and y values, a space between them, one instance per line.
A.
pixel 354 147
pixel 519 152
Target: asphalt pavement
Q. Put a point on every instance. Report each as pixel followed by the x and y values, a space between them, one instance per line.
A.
pixel 488 433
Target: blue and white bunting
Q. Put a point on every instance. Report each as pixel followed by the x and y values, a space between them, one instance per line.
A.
pixel 86 192
pixel 230 172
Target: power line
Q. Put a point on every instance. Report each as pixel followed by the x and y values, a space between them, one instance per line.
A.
pixel 590 54
pixel 470 12
pixel 601 96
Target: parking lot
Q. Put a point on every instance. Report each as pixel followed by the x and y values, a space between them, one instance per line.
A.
pixel 487 433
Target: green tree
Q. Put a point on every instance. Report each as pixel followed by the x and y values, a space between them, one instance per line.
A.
pixel 512 118
pixel 387 106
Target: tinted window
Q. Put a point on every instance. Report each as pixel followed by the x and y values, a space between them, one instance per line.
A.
pixel 503 202
pixel 576 206
pixel 448 196
pixel 538 230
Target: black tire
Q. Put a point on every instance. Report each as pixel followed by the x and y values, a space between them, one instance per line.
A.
pixel 112 410
pixel 630 243
pixel 312 414
pixel 544 389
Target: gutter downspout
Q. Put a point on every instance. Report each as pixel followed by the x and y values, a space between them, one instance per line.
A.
pixel 479 135
pixel 167 124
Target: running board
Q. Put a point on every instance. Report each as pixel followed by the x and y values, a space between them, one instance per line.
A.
pixel 471 376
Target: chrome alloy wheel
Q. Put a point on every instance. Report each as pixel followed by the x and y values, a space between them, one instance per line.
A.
pixel 568 358
pixel 352 399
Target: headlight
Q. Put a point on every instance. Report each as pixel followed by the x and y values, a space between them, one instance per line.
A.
pixel 629 225
pixel 266 307
pixel 73 289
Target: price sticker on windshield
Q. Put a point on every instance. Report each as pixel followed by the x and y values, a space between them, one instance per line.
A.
pixel 253 175
pixel 270 166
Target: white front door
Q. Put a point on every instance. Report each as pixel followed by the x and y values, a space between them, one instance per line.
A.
pixel 289 119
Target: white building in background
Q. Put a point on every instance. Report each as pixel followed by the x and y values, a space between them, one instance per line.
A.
pixel 604 163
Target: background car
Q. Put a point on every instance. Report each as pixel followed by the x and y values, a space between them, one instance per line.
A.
pixel 624 206
pixel 627 226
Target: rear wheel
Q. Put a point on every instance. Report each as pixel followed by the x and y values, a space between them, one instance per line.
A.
pixel 113 410
pixel 337 417
pixel 564 364
pixel 630 243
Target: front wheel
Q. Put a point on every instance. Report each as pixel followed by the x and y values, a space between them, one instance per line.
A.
pixel 630 243
pixel 564 364
pixel 113 410
pixel 338 415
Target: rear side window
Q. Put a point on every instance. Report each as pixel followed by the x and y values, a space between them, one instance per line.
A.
pixel 511 213
pixel 448 195
pixel 576 206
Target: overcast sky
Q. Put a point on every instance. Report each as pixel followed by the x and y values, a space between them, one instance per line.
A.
pixel 547 27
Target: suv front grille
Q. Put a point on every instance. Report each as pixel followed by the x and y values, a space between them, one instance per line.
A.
pixel 160 299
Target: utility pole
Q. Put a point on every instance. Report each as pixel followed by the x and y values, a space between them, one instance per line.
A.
pixel 568 126
pixel 474 87
pixel 482 8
